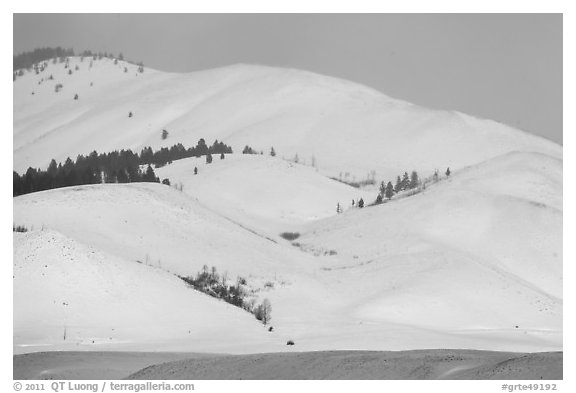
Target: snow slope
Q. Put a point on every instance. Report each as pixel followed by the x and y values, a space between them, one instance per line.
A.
pixel 71 296
pixel 262 192
pixel 474 261
pixel 346 127
pixel 469 253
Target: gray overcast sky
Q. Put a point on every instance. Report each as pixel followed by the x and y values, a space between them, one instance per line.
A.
pixel 506 67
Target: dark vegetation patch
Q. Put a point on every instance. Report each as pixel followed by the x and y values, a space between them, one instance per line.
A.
pixel 208 281
pixel 115 167
pixel 19 228
pixel 290 235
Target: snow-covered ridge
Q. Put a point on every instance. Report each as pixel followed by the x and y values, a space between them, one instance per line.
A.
pixel 343 125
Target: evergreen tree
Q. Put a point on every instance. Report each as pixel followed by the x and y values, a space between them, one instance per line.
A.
pixel 164 134
pixel 122 176
pixel 272 152
pixel 53 168
pixel 379 199
pixel 389 190
pixel 195 170
pixel 338 208
pixel 201 148
pixel 221 156
pixel 361 203
pixel 208 158
pixel 150 176
pixel 398 186
pixel 448 172
pixel 129 114
pixel 405 181
pixel 17 188
pixel 414 179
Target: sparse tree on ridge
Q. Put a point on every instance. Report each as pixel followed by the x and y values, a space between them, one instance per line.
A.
pixel 405 181
pixel 414 181
pixel 389 190
pixel 398 186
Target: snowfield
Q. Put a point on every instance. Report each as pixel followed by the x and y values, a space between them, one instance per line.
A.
pixel 474 261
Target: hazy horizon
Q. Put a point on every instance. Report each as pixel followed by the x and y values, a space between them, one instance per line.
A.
pixel 505 67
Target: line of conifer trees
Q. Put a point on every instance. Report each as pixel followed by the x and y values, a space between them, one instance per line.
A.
pixel 122 166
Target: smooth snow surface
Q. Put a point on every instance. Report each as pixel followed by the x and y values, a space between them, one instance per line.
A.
pixel 473 261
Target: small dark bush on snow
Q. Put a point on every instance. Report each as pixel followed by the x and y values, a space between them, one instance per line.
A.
pixel 290 235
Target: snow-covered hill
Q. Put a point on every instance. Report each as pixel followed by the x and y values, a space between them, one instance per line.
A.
pixel 473 261
pixel 265 193
pixel 469 251
pixel 468 263
pixel 68 295
pixel 343 126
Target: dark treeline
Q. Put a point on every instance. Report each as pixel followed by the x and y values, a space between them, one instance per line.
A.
pixel 167 155
pixel 116 167
pixel 27 59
